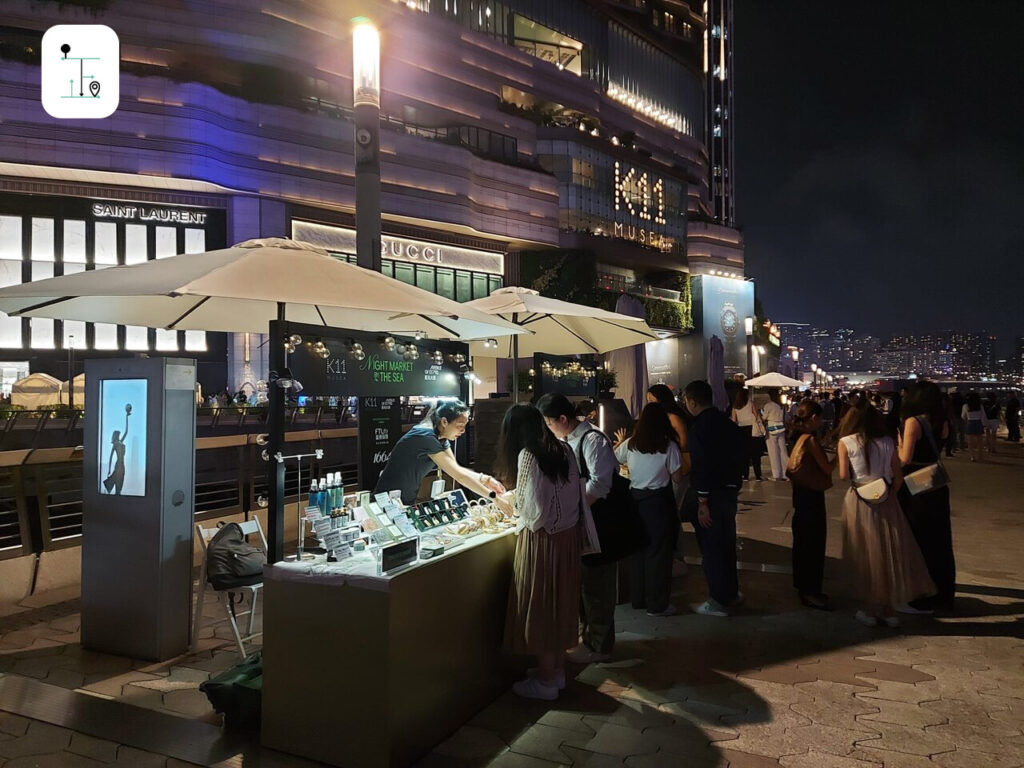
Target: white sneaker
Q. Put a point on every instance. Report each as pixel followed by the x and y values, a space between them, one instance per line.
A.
pixel 865 619
pixel 711 608
pixel 559 680
pixel 532 688
pixel 670 610
pixel 892 621
pixel 582 654
pixel 912 611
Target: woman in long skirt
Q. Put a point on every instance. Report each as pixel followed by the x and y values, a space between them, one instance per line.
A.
pixel 543 606
pixel 878 544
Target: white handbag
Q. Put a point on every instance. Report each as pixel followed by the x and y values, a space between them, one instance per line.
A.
pixel 874 492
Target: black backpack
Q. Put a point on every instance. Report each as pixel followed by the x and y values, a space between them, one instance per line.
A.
pixel 619 527
pixel 233 562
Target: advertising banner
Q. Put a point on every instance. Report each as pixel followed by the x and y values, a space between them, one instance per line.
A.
pixel 380 427
pixel 380 365
pixel 721 305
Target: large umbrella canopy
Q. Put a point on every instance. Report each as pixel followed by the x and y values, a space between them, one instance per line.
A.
pixel 773 379
pixel 559 327
pixel 240 288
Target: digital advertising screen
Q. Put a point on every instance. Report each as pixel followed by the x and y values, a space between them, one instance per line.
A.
pixel 122 437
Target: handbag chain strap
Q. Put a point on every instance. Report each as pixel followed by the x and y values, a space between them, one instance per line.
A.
pixel 926 427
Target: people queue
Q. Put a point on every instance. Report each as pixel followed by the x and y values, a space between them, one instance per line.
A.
pixel 686 461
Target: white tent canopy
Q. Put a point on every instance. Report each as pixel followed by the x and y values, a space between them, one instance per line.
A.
pixel 773 379
pixel 243 287
pixel 37 390
pixel 79 391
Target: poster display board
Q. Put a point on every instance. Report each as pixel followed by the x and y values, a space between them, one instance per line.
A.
pixel 720 306
pixel 380 427
pixel 122 450
pixel 569 375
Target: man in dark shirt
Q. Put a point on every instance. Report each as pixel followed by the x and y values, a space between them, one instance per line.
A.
pixel 718 458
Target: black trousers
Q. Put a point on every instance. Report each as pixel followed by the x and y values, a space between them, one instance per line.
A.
pixel 929 518
pixel 1013 429
pixel 650 577
pixel 810 526
pixel 755 447
pixel 599 593
pixel 718 546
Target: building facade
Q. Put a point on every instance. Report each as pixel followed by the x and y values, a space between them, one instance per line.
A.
pixel 507 128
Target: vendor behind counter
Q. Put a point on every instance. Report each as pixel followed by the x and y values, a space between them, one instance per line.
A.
pixel 427 447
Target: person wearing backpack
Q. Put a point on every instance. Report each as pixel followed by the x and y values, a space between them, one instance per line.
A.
pixel 599 581
pixel 719 458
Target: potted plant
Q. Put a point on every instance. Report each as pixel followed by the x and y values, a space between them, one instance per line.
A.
pixel 606 381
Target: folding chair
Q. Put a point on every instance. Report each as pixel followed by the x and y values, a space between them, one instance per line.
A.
pixel 226 597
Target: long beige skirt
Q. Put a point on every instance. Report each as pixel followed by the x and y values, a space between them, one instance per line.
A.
pixel 881 551
pixel 544 601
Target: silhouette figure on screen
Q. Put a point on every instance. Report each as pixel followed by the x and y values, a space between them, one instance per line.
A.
pixel 114 481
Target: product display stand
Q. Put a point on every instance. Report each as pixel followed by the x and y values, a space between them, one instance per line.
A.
pixel 319 454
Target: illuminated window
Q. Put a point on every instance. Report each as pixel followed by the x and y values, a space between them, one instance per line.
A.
pixel 166 242
pixel 136 337
pixel 74 246
pixel 166 341
pixel 548 45
pixel 105 250
pixel 10 274
pixel 195 242
pixel 134 243
pixel 42 328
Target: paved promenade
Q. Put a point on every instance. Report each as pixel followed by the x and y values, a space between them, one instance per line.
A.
pixel 775 685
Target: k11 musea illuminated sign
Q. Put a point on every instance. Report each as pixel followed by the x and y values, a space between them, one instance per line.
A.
pixel 639 193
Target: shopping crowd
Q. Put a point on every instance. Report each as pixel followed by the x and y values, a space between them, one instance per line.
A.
pixel 686 461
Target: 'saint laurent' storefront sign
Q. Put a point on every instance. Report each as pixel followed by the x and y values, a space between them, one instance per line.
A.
pixel 148 214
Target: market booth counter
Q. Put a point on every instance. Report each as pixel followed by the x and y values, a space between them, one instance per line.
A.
pixel 368 671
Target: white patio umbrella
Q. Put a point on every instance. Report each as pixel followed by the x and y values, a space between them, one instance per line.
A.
pixel 773 379
pixel 243 287
pixel 558 327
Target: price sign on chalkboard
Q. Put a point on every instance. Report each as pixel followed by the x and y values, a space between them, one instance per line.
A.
pixel 380 427
pixel 378 364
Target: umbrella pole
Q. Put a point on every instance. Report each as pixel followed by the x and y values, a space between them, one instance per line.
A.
pixel 515 361
pixel 275 445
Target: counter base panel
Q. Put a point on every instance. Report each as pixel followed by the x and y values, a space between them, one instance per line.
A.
pixel 359 678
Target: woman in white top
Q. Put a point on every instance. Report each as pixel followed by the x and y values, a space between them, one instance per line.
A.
pixel 654 460
pixel 749 420
pixel 543 610
pixel 974 417
pixel 878 544
pixel 775 423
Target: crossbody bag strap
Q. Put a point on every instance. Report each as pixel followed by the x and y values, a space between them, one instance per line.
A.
pixel 926 427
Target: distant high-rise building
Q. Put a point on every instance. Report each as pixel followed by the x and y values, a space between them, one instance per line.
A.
pixel 719 139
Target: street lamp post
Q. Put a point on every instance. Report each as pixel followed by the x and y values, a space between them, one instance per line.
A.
pixel 71 371
pixel 366 103
pixel 748 327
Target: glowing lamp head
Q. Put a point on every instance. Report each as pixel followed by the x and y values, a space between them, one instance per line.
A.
pixel 365 64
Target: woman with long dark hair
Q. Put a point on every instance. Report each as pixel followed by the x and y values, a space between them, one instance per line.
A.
pixel 878 544
pixel 749 421
pixel 680 419
pixel 810 523
pixel 653 458
pixel 974 419
pixel 924 430
pixel 543 606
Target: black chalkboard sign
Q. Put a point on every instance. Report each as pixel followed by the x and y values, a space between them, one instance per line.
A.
pixel 331 362
pixel 380 427
pixel 569 375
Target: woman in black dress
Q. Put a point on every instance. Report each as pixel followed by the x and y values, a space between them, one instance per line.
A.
pixel 924 429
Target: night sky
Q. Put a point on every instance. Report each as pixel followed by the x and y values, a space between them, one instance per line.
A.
pixel 880 162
